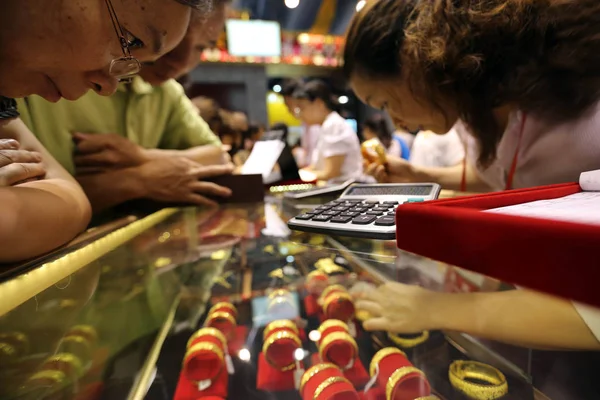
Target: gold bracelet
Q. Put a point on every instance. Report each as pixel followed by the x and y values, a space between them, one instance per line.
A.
pixel 396 377
pixel 327 340
pixel 314 370
pixel 380 355
pixel 461 371
pixel 331 323
pixel 276 337
pixel 328 382
pixel 72 360
pixel 84 330
pixel 280 324
pixel 208 332
pixel 222 315
pixel 407 343
pixel 222 304
pixel 203 346
pixel 331 288
pixel 333 298
pixel 55 377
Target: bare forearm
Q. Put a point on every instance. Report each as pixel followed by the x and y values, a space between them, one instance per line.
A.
pixel 206 155
pixel 106 190
pixel 37 217
pixel 519 317
pixel 451 177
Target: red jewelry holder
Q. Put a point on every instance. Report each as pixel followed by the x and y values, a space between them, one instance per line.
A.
pixel 316 281
pixel 338 348
pixel 204 360
pixel 279 348
pixel 187 390
pixel 223 321
pixel 411 384
pixel 211 398
pixel 376 393
pixel 271 379
pixel 357 374
pixel 238 339
pixel 311 305
pixel 338 305
pixel 316 375
pixel 330 326
pixel 225 307
pixel 209 335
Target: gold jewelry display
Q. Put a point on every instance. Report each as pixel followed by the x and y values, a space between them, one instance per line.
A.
pixel 280 324
pixel 328 382
pixel 222 315
pixel 407 343
pixel 209 332
pixel 332 299
pixel 314 370
pixel 331 288
pixel 204 346
pixel 461 371
pixel 276 337
pixel 330 323
pixel 380 355
pixel 327 340
pixel 232 309
pixel 396 377
pixel 72 360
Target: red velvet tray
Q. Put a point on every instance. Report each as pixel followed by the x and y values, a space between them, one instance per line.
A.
pixel 551 256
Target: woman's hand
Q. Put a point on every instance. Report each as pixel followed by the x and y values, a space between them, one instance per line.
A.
pixel 18 165
pixel 395 170
pixel 397 308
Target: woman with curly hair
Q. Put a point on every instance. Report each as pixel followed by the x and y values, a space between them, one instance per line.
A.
pixel 521 78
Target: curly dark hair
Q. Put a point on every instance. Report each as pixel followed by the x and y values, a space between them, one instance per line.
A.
pixel 542 56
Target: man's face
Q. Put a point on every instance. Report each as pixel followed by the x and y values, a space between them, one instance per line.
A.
pixel 202 32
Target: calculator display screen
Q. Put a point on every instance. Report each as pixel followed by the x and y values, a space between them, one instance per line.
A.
pixel 390 190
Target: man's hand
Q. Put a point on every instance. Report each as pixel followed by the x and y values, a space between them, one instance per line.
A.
pixel 100 152
pixel 179 180
pixel 18 165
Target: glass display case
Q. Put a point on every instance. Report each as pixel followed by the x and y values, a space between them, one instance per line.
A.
pixel 119 316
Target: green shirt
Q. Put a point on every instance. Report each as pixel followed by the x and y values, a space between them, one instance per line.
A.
pixel 152 116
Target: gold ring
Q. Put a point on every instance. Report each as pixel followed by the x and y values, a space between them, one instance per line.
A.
pixel 396 377
pixel 72 360
pixel 407 343
pixel 280 324
pixel 380 355
pixel 222 315
pixel 276 337
pixel 332 337
pixel 328 382
pixel 203 346
pixel 461 371
pixel 331 299
pixel 208 332
pixel 314 370
pixel 330 323
pixel 232 309
pixel 331 288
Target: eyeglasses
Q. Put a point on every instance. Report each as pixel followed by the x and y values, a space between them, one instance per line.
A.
pixel 126 67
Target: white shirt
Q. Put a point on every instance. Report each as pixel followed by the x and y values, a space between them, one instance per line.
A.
pixel 548 153
pixel 431 150
pixel 409 138
pixel 308 142
pixel 335 139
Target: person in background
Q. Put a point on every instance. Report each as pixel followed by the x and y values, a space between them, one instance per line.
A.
pixel 251 136
pixel 531 97
pixel 376 127
pixel 145 141
pixel 310 134
pixel 437 151
pixel 43 207
pixel 523 76
pixel 283 128
pixel 337 155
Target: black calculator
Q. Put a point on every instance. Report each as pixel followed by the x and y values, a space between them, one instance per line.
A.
pixel 364 210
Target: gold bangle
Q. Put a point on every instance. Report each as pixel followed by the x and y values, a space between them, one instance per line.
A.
pixel 331 323
pixel 328 382
pixel 222 304
pixel 208 332
pixel 331 299
pixel 84 330
pixel 380 355
pixel 276 337
pixel 331 288
pixel 16 339
pixel 407 343
pixel 327 340
pixel 314 370
pixel 222 315
pixel 396 377
pixel 280 324
pixel 460 371
pixel 72 360
pixel 203 346
pixel 54 376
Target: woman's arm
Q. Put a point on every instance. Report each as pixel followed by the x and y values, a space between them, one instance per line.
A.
pixel 331 169
pixel 39 216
